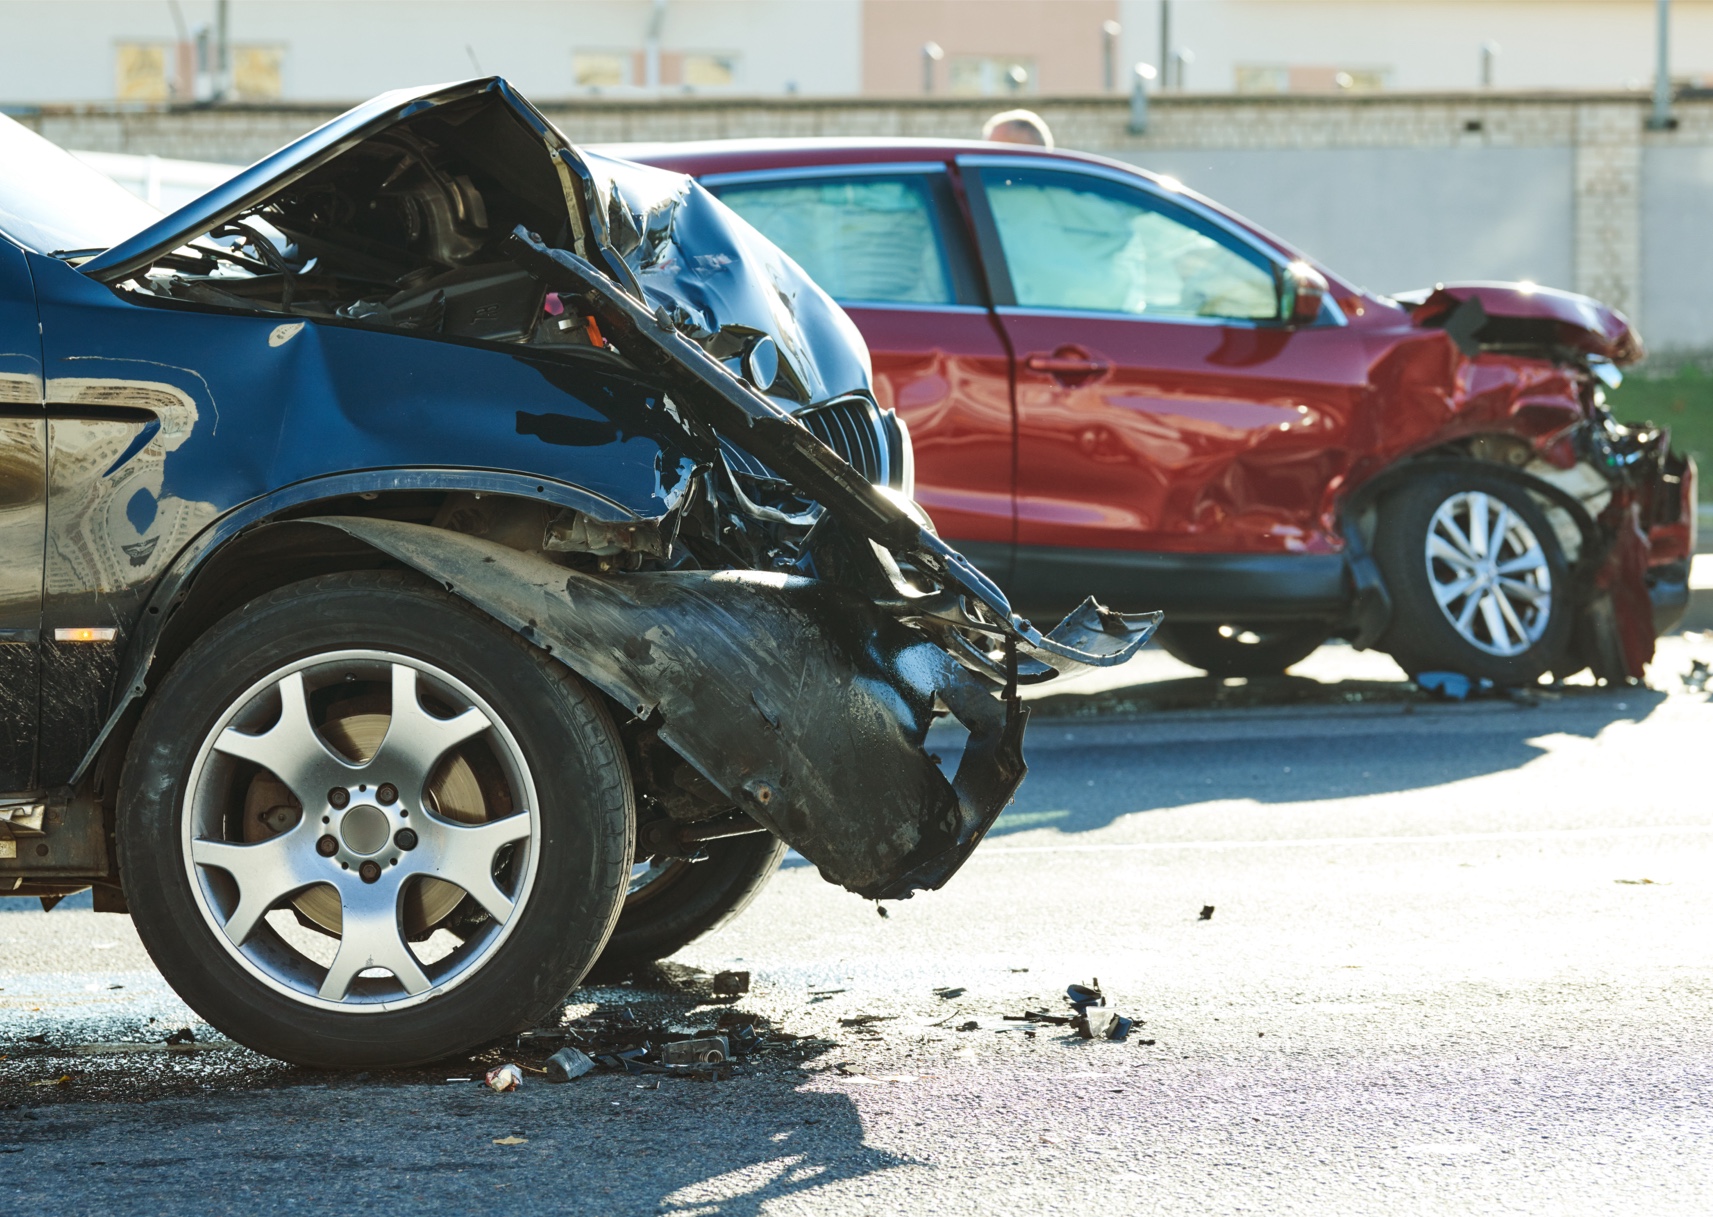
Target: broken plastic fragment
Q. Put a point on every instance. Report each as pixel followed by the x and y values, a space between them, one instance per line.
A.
pixel 710 1050
pixel 1081 997
pixel 568 1063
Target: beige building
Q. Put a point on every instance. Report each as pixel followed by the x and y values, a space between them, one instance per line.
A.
pixel 152 51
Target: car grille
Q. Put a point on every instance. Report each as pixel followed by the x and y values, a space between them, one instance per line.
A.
pixel 854 428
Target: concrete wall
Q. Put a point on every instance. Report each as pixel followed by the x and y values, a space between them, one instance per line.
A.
pixel 1394 191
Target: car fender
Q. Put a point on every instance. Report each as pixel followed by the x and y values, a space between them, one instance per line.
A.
pixel 142 640
pixel 805 704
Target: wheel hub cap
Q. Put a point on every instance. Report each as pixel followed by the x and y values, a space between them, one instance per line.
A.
pixel 1489 573
pixel 365 830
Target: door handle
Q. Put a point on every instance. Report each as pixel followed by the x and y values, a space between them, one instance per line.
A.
pixel 1057 365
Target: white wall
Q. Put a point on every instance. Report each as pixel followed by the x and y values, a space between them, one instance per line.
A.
pixel 1392 219
pixel 1429 44
pixel 346 50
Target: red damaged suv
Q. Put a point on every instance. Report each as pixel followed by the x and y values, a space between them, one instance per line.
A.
pixel 1115 385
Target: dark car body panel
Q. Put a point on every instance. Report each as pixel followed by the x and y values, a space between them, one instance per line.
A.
pixel 1220 465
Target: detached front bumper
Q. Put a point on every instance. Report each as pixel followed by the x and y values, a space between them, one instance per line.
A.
pixel 807 706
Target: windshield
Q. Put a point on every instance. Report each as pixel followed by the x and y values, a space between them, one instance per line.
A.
pixel 51 202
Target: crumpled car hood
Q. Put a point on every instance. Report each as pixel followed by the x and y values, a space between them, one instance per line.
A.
pixel 692 255
pixel 643 223
pixel 1522 314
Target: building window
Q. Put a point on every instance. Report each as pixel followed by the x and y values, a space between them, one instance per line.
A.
pixel 170 71
pixel 601 69
pixel 1309 78
pixel 989 76
pixel 140 71
pixel 256 72
pixel 710 70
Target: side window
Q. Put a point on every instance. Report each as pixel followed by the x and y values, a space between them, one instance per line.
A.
pixel 864 239
pixel 1078 242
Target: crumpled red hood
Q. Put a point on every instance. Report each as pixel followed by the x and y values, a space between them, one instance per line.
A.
pixel 1579 322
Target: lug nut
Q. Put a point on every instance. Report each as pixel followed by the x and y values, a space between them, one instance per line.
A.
pixel 338 796
pixel 405 838
pixel 370 870
pixel 327 846
pixel 388 793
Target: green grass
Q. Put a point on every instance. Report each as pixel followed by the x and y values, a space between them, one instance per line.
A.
pixel 1682 401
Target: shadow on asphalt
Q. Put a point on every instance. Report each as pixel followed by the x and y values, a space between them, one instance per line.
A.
pixel 605 1143
pixel 1286 739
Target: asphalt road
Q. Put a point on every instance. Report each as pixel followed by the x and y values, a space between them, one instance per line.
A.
pixel 1460 960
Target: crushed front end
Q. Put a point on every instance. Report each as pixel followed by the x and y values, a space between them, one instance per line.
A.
pixel 1537 363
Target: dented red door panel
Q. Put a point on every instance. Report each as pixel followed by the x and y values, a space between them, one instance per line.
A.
pixel 1181 437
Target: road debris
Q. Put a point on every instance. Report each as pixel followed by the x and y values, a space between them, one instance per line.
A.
pixel 863 1020
pixel 731 984
pixel 881 909
pixel 182 1036
pixel 1091 1020
pixel 1081 997
pixel 946 994
pixel 1206 913
pixel 511 1140
pixel 1696 678
pixel 616 1042
pixel 1105 1025
pixel 1641 882
pixel 971 1025
pixel 568 1064
pixel 502 1078
pixel 709 1050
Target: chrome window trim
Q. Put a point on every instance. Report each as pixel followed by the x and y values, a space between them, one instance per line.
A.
pixel 1329 306
pixel 747 177
pixel 1019 310
pixel 1137 182
pixel 906 306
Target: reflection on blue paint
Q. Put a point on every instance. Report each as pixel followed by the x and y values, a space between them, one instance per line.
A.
pixel 141 509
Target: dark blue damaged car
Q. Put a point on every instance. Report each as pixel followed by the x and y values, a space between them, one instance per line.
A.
pixel 441 558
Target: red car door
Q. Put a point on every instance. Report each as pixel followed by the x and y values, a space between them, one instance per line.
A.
pixel 1176 441
pixel 889 244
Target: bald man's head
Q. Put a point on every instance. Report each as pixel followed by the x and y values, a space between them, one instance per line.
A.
pixel 1018 127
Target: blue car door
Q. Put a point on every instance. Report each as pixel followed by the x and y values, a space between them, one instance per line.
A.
pixel 22 519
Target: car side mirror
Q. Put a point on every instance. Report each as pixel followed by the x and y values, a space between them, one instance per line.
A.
pixel 1302 290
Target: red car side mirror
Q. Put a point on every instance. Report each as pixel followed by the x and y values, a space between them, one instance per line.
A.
pixel 1302 288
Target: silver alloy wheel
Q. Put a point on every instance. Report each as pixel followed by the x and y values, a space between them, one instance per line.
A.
pixel 366 828
pixel 1489 573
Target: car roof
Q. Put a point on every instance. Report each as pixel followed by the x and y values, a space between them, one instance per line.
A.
pixel 701 157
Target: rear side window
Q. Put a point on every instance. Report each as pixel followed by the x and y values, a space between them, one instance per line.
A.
pixel 865 240
pixel 1078 242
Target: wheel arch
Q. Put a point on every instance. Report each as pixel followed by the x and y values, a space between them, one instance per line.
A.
pixel 1371 609
pixel 263 545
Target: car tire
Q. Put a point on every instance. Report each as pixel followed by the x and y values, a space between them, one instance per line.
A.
pixel 374 696
pixel 1457 608
pixel 672 901
pixel 1241 650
